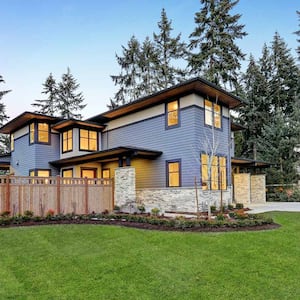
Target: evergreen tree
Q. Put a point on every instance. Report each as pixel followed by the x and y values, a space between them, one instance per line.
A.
pixel 70 101
pixel 4 139
pixel 169 49
pixel 298 34
pixel 130 74
pixel 216 55
pixel 49 105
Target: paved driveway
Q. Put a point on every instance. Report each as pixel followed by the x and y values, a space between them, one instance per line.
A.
pixel 274 206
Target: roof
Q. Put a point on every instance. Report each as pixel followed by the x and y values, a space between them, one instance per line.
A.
pixel 64 124
pixel 107 155
pixel 196 85
pixel 5 161
pixel 24 119
pixel 236 127
pixel 246 162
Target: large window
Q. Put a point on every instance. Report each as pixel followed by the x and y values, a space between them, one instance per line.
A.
pixel 212 114
pixel 213 170
pixel 40 173
pixel 67 173
pixel 173 173
pixel 172 113
pixel 88 172
pixel 88 140
pixel 67 143
pixel 39 133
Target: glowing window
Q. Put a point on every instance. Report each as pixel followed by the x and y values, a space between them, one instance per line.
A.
pixel 173 113
pixel 12 142
pixel 67 141
pixel 88 140
pixel 173 172
pixel 212 114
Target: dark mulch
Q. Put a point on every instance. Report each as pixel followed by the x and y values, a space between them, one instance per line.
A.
pixel 147 226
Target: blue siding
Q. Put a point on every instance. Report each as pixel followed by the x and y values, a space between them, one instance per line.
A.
pixel 26 157
pixel 185 142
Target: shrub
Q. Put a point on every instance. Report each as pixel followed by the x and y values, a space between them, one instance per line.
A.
pixel 239 206
pixel 155 211
pixel 5 213
pixel 28 213
pixel 141 208
pixel 213 208
pixel 230 207
pixel 220 217
pixel 50 213
pixel 117 208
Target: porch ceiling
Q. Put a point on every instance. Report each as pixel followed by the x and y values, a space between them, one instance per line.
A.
pixel 107 155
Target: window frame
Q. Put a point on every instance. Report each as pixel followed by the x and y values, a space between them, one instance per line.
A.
pixel 67 140
pixel 12 142
pixel 219 164
pixel 95 170
pixel 168 112
pixel 34 133
pixel 88 139
pixel 213 114
pixel 168 162
pixel 67 170
pixel 36 172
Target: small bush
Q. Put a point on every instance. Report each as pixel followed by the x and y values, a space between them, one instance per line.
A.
pixel 28 213
pixel 239 206
pixel 220 217
pixel 155 211
pixel 230 207
pixel 5 213
pixel 141 208
pixel 213 208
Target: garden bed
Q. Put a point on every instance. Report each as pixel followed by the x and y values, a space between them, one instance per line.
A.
pixel 219 223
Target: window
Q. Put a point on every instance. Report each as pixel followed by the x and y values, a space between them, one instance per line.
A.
pixel 88 172
pixel 212 114
pixel 39 133
pixel 12 142
pixel 67 173
pixel 88 140
pixel 172 113
pixel 39 173
pixel 173 173
pixel 106 175
pixel 213 170
pixel 67 143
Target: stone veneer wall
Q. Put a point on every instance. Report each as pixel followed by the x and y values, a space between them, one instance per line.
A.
pixel 180 199
pixel 124 193
pixel 258 188
pixel 241 187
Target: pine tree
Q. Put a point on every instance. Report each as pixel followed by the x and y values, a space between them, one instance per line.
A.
pixel 216 55
pixel 4 139
pixel 170 49
pixel 49 105
pixel 70 102
pixel 129 77
pixel 298 34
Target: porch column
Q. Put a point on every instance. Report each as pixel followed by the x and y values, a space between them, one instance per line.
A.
pixel 125 192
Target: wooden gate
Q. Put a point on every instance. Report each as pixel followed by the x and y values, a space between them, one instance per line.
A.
pixel 63 195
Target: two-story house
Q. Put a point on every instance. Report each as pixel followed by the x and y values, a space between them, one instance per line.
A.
pixel 169 145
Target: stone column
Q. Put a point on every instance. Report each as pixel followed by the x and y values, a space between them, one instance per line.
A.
pixel 125 192
pixel 242 188
pixel 258 188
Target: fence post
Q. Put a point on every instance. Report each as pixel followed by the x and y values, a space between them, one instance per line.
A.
pixel 86 196
pixel 58 194
pixel 7 194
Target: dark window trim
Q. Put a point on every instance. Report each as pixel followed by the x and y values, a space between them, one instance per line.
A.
pixel 89 169
pixel 167 172
pixel 97 140
pixel 35 137
pixel 167 126
pixel 62 141
pixel 213 115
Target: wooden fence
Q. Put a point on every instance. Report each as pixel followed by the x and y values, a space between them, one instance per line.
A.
pixel 63 195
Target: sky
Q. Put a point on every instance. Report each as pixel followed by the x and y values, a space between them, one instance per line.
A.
pixel 39 37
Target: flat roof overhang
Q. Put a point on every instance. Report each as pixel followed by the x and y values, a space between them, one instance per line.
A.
pixel 249 163
pixel 65 124
pixel 24 119
pixel 107 155
pixel 196 85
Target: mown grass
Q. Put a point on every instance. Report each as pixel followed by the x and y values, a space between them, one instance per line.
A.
pixel 110 262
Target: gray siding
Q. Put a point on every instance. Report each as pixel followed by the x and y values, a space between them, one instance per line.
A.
pixel 185 142
pixel 26 157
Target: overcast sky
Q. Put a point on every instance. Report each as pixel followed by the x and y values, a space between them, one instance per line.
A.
pixel 39 37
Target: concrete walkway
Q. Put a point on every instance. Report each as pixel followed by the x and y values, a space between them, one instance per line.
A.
pixel 274 206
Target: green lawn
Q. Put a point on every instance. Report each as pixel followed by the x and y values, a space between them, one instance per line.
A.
pixel 109 262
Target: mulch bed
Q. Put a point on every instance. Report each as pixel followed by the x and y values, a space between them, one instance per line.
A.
pixel 147 226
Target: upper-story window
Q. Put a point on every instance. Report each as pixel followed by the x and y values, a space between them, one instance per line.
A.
pixel 212 114
pixel 67 142
pixel 172 115
pixel 39 133
pixel 12 142
pixel 88 140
